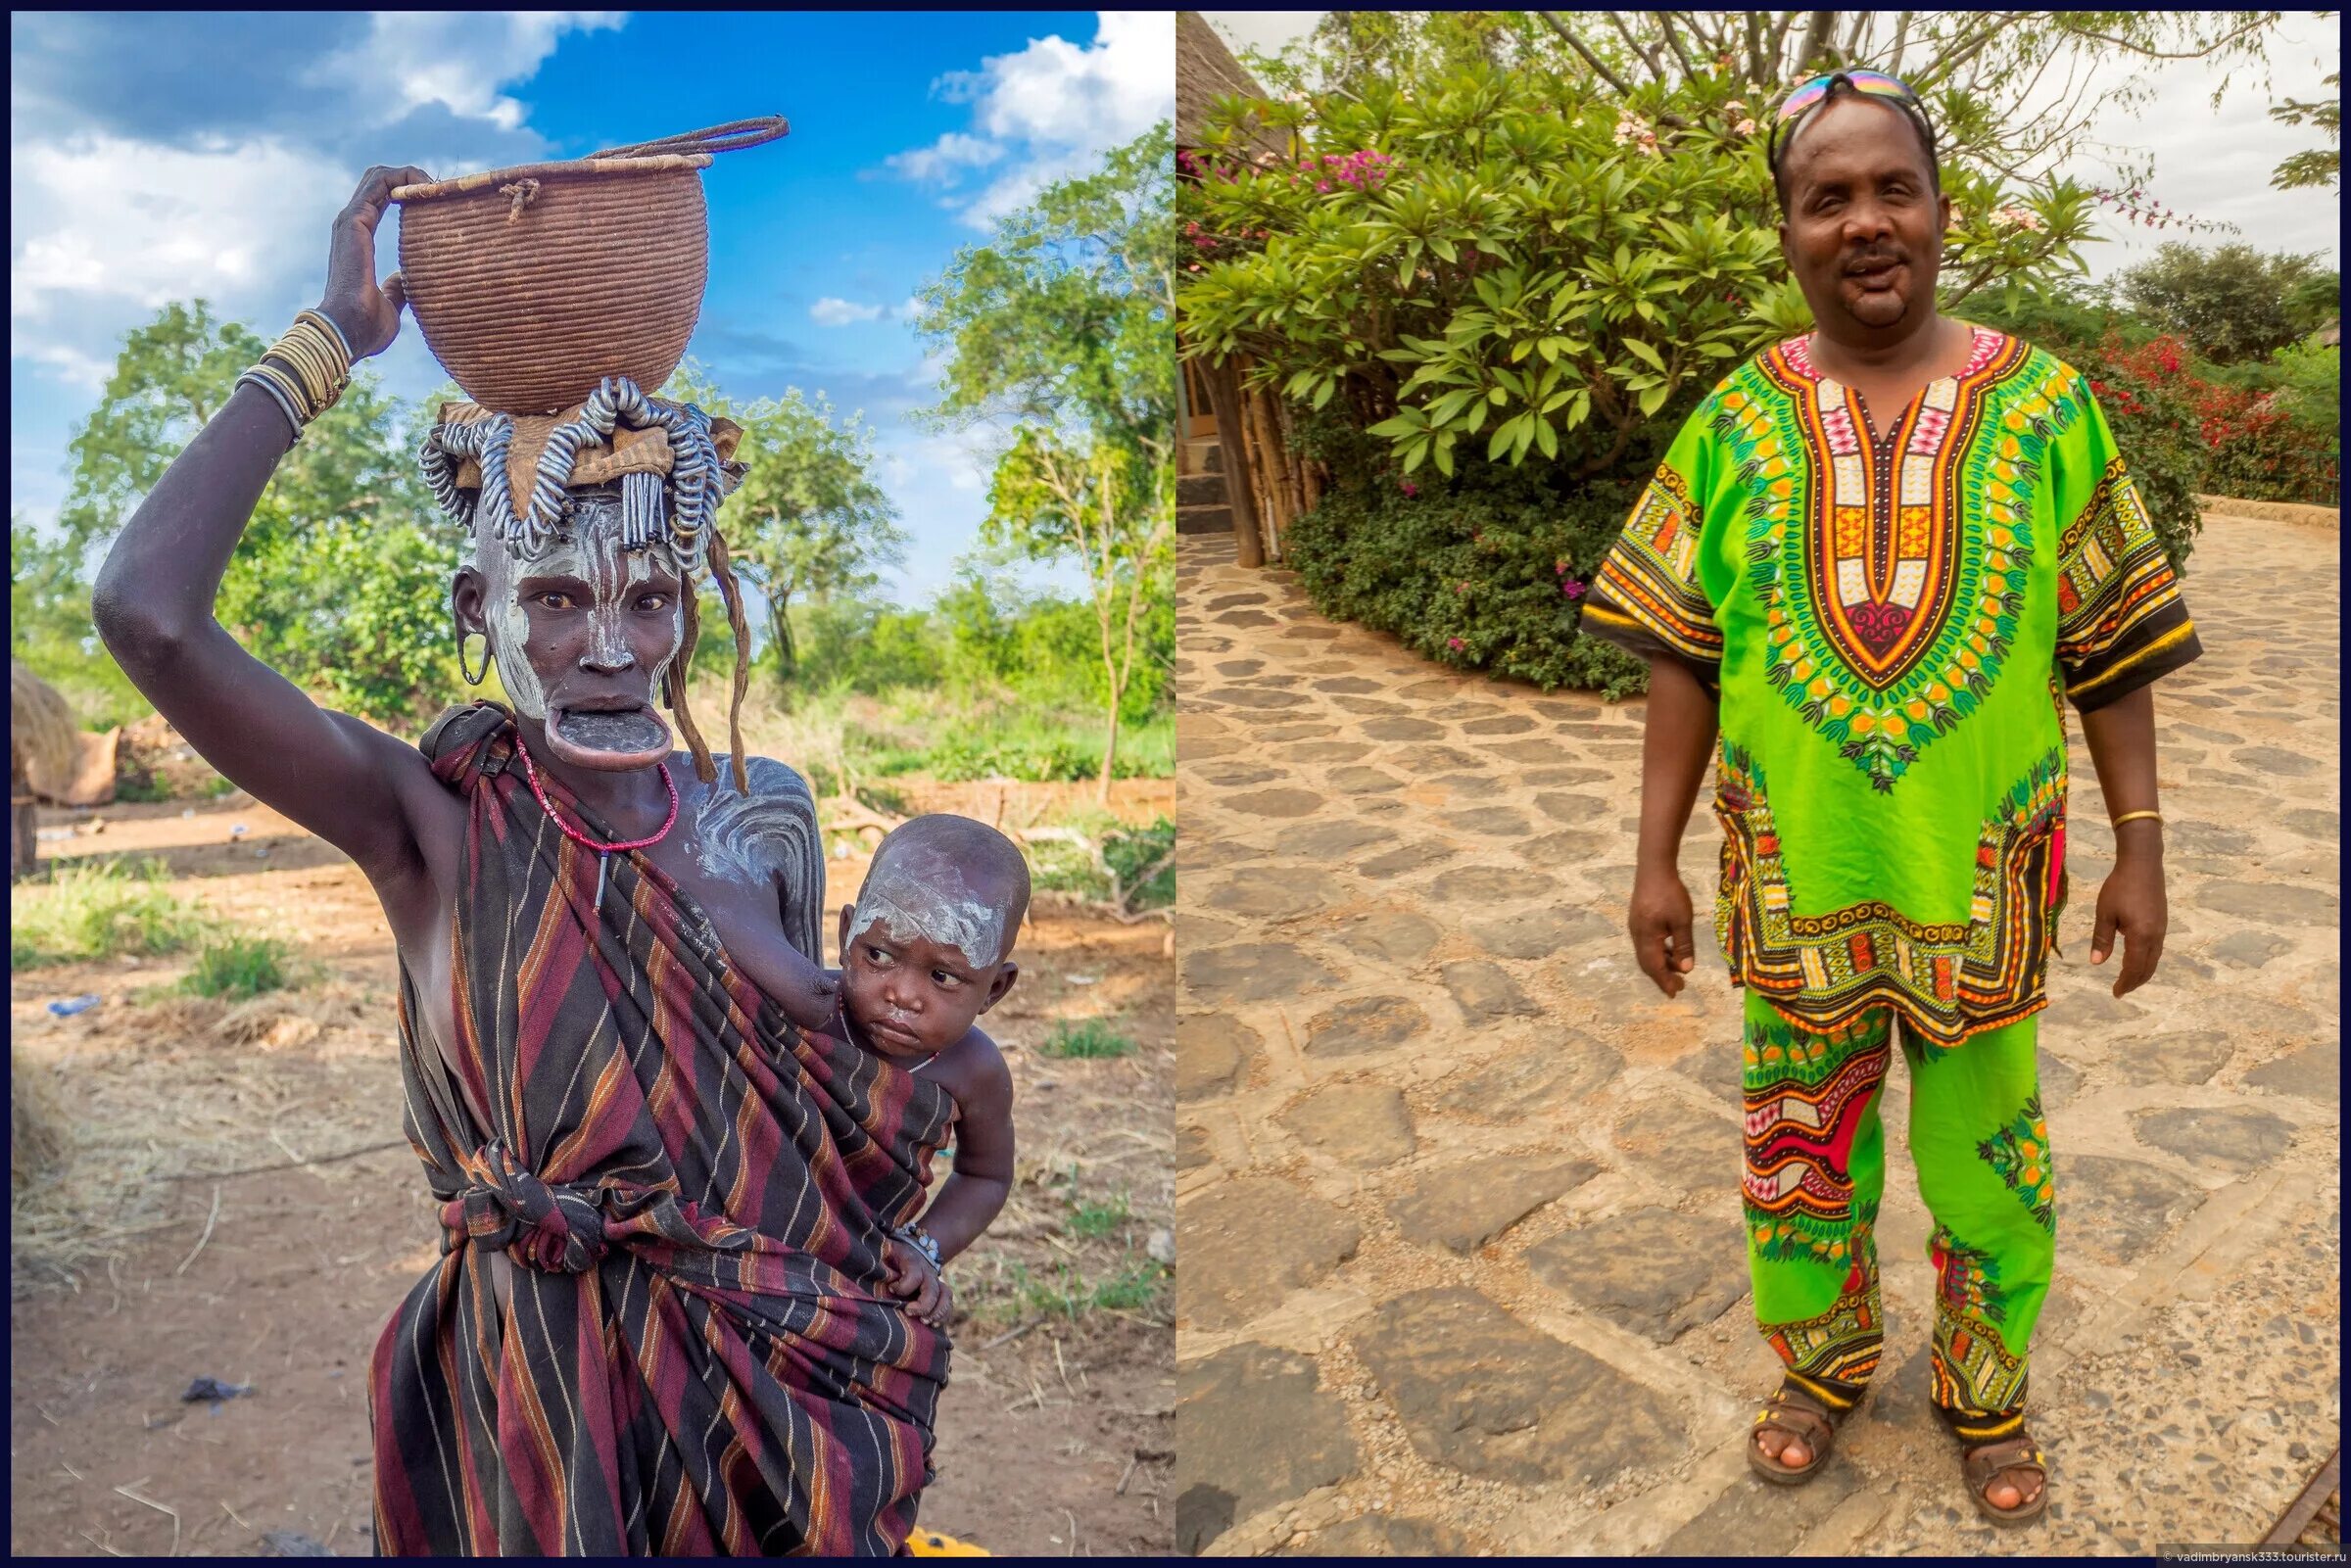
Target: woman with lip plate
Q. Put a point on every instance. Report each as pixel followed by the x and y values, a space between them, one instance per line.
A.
pixel 662 1320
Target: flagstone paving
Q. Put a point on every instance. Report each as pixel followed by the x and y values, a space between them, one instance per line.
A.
pixel 1461 1237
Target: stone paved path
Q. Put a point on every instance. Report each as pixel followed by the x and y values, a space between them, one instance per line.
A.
pixel 1459 1215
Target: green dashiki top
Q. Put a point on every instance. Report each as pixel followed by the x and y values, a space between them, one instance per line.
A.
pixel 1893 623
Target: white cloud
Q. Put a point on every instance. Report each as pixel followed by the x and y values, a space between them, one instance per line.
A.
pixel 944 159
pixel 1063 104
pixel 908 309
pixel 453 58
pixel 832 312
pixel 102 219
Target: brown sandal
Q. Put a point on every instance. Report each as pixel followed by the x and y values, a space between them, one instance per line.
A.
pixel 1800 1415
pixel 1982 1465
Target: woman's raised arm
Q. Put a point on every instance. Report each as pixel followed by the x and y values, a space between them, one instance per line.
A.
pixel 154 599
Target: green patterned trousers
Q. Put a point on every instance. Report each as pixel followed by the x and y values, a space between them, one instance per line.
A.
pixel 1815 1172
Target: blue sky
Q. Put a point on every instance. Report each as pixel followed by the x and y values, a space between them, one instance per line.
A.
pixel 174 154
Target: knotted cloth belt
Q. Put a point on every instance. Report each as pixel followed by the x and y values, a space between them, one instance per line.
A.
pixel 558 1229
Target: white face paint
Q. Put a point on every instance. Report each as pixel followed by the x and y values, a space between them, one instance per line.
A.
pixel 919 892
pixel 590 553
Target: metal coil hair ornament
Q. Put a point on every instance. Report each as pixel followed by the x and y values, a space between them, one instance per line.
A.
pixel 691 488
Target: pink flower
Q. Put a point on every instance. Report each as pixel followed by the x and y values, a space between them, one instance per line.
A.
pixel 1573 589
pixel 1744 128
pixel 1456 643
pixel 1410 488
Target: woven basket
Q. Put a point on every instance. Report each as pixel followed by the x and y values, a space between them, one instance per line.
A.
pixel 533 284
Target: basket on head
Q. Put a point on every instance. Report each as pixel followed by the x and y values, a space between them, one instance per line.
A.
pixel 533 284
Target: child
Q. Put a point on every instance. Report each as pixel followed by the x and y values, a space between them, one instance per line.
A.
pixel 925 950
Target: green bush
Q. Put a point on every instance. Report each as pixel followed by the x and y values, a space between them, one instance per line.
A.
pixel 1484 571
pixel 237 968
pixel 1085 1041
pixel 1133 851
pixel 101 911
pixel 1505 289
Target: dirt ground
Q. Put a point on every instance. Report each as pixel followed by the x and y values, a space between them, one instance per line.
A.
pixel 239 1203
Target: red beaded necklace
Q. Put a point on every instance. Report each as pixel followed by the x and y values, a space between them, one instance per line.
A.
pixel 603 852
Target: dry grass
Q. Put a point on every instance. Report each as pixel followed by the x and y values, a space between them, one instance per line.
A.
pixel 39 1131
pixel 188 1086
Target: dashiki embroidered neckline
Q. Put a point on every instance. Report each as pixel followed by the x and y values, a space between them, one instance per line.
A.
pixel 1891 608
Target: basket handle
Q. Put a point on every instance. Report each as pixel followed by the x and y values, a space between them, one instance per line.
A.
pixel 731 137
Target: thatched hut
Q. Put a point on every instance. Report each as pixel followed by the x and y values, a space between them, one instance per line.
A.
pixel 1237 470
pixel 42 741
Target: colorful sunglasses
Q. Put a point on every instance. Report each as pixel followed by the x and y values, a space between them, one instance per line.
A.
pixel 1812 94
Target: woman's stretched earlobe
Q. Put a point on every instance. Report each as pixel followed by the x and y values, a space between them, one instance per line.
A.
pixel 472 678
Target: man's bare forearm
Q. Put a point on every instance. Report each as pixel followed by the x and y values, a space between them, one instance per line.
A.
pixel 2122 747
pixel 1676 745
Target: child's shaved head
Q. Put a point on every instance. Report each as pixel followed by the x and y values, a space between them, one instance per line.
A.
pixel 950 880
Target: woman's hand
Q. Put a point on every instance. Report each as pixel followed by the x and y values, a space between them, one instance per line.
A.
pixel 367 313
pixel 915 1282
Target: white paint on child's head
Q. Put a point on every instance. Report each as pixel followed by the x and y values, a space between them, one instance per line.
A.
pixel 918 893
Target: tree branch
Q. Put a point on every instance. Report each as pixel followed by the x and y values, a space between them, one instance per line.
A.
pixel 1902 39
pixel 1590 59
pixel 1853 35
pixel 1772 69
pixel 1817 38
pixel 1624 30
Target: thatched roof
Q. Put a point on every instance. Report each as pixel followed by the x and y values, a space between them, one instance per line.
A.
pixel 41 733
pixel 1205 71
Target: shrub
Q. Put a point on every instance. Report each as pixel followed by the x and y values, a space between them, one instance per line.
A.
pixel 237 968
pixel 1510 288
pixel 101 911
pixel 1134 852
pixel 2251 443
pixel 1085 1041
pixel 1484 571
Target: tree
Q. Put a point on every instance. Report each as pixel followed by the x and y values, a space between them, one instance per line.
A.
pixel 1059 333
pixel 2232 304
pixel 341 579
pixel 1096 503
pixel 1531 241
pixel 2015 91
pixel 2321 165
pixel 808 520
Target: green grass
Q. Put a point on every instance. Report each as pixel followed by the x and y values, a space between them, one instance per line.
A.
pixel 102 910
pixel 1091 1221
pixel 1086 1040
pixel 237 968
pixel 1068 1293
pixel 141 788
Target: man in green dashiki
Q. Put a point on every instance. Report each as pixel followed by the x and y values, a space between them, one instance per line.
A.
pixel 1878 560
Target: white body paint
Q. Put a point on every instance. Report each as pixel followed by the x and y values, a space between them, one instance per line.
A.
pixel 753 839
pixel 593 554
pixel 920 892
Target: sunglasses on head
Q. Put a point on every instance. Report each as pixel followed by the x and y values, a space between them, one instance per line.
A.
pixel 1812 94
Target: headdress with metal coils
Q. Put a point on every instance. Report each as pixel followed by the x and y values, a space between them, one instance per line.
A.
pixel 508 474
